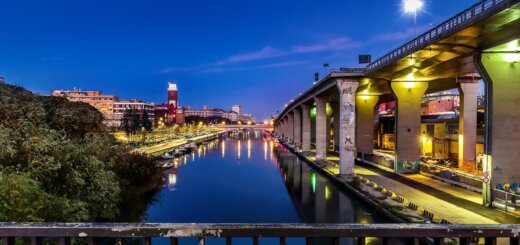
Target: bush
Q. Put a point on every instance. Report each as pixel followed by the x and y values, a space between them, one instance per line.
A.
pixel 59 163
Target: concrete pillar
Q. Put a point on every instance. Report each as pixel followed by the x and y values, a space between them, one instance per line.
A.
pixel 297 133
pixel 328 128
pixel 347 131
pixel 468 124
pixel 306 128
pixel 290 127
pixel 281 128
pixel 284 128
pixel 321 128
pixel 408 125
pixel 501 73
pixel 365 105
pixel 336 123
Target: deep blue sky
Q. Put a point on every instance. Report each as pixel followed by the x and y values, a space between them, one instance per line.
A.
pixel 256 53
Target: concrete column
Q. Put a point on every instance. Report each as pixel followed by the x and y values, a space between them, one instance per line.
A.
pixel 290 127
pixel 321 128
pixel 297 133
pixel 284 128
pixel 468 124
pixel 336 122
pixel 501 73
pixel 408 125
pixel 306 128
pixel 328 128
pixel 365 105
pixel 347 131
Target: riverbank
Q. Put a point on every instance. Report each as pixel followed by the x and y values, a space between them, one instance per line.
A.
pixel 406 198
pixel 164 147
pixel 376 200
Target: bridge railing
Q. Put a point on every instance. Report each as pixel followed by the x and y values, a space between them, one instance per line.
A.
pixel 40 233
pixel 359 71
pixel 449 27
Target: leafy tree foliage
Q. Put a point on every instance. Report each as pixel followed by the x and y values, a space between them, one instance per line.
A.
pixel 59 163
pixel 134 123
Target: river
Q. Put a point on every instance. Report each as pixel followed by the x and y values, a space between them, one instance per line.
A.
pixel 248 178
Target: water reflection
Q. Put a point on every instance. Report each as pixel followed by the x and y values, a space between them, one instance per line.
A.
pixel 249 149
pixel 273 187
pixel 223 147
pixel 265 150
pixel 239 148
pixel 316 199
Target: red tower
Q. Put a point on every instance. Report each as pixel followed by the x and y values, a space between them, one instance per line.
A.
pixel 166 114
pixel 172 95
pixel 172 103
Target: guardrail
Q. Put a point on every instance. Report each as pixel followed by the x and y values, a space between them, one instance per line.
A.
pixel 464 19
pixel 40 233
pixel 508 201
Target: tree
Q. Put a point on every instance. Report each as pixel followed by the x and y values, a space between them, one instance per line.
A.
pixel 131 122
pixel 146 123
pixel 59 163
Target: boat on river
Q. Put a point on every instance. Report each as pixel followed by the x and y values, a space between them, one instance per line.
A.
pixel 167 155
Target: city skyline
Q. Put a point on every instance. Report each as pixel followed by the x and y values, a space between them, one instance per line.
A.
pixel 237 58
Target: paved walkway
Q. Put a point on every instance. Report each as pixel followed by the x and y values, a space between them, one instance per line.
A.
pixel 442 199
pixel 174 143
pixel 452 203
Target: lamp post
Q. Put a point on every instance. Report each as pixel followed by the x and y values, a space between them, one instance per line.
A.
pixel 411 6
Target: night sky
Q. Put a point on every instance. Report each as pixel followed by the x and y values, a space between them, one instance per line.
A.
pixel 256 53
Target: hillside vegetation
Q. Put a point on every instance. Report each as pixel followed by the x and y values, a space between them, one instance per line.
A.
pixel 58 163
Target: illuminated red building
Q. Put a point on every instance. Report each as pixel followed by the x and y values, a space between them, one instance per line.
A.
pixel 166 114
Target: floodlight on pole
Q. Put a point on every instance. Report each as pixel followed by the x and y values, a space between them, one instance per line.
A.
pixel 412 6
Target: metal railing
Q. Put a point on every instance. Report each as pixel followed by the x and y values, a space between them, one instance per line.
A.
pixel 323 79
pixel 63 233
pixel 508 201
pixel 464 19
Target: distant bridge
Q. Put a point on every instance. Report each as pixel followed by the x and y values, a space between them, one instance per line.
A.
pixel 245 126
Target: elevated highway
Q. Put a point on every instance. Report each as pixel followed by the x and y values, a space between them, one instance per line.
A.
pixel 481 42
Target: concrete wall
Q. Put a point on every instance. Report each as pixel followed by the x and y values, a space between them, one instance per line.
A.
pixel 503 81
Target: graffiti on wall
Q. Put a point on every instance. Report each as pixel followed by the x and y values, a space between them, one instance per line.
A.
pixel 348 115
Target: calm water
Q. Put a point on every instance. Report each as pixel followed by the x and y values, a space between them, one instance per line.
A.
pixel 246 177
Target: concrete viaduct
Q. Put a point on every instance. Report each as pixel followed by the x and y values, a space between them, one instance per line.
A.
pixel 482 42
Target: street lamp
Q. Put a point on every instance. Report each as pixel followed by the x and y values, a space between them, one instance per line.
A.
pixel 411 6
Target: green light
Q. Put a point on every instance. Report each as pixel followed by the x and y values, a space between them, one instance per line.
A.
pixel 313 182
pixel 313 112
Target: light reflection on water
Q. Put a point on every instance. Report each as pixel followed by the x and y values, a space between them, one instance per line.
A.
pixel 271 185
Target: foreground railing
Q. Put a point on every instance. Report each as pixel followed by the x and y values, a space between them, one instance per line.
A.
pixel 40 233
